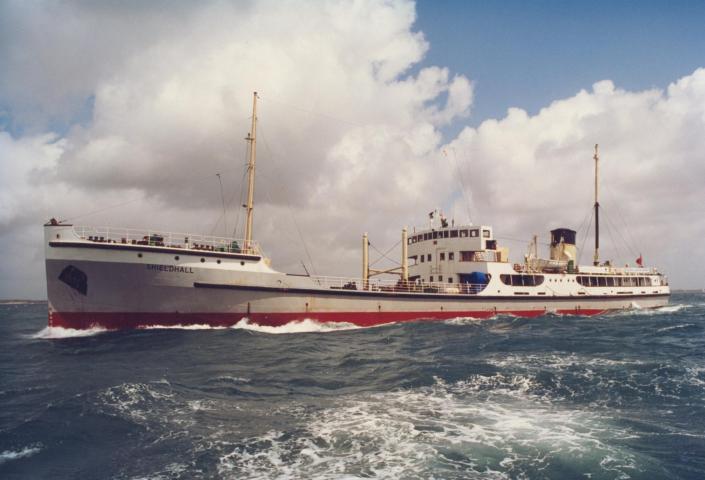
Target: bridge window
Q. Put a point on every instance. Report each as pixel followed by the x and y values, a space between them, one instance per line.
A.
pixel 466 256
pixel 463 233
pixel 473 233
pixel 486 233
pixel 442 256
pixel 451 256
pixel 453 234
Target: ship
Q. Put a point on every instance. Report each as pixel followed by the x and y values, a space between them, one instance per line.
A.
pixel 118 278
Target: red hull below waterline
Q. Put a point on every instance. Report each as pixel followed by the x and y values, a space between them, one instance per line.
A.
pixel 126 320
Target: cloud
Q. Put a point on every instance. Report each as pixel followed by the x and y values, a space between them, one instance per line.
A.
pixel 533 173
pixel 154 99
pixel 347 118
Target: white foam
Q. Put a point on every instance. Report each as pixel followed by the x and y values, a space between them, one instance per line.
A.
pixel 196 326
pixel 9 455
pixel 675 327
pixel 638 310
pixel 672 308
pixel 302 326
pixel 464 321
pixel 52 333
pixel 484 426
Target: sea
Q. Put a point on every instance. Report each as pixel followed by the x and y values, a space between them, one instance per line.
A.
pixel 616 396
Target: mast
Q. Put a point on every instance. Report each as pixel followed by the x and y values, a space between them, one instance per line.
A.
pixel 596 259
pixel 252 138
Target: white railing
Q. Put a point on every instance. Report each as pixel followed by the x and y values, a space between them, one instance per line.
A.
pixel 392 285
pixel 159 238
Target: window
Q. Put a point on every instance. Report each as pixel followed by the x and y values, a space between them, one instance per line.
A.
pixel 519 280
pixel 442 256
pixel 602 281
pixel 453 234
pixel 466 256
pixel 425 236
pixel 446 234
pixel 422 258
pixel 411 240
pixel 430 279
pixel 428 257
pixel 435 235
pixel 473 233
pixel 463 233
pixel 451 256
pixel 450 280
pixel 486 233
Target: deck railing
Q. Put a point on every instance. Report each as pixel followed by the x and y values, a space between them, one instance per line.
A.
pixel 159 238
pixel 393 285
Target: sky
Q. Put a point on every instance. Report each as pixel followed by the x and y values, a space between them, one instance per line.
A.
pixel 371 114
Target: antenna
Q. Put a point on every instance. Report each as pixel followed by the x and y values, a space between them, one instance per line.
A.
pixel 596 259
pixel 222 199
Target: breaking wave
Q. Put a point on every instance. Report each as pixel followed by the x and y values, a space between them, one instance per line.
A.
pixel 482 427
pixel 197 326
pixel 303 326
pixel 9 455
pixel 54 333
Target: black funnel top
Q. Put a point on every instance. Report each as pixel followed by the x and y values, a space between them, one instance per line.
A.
pixel 566 234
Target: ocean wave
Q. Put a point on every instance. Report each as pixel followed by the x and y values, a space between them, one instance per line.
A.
pixel 196 326
pixel 9 455
pixel 676 327
pixel 54 333
pixel 636 309
pixel 464 321
pixel 445 430
pixel 302 326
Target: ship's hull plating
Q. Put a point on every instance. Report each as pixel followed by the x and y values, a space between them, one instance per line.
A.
pixel 89 288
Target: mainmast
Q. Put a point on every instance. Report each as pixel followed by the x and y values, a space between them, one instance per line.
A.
pixel 252 138
pixel 596 259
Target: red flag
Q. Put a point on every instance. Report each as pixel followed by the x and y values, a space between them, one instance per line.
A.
pixel 640 261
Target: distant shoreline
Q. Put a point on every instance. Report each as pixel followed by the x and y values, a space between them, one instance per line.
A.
pixel 16 301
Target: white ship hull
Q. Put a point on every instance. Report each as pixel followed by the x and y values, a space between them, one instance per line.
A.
pixel 114 285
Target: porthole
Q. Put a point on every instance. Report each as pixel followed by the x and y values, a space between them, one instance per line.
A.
pixel 176 257
pixel 139 255
pixel 203 260
pixel 218 261
pixel 58 235
pixel 242 263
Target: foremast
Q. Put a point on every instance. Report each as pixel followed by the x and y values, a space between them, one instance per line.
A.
pixel 596 259
pixel 252 139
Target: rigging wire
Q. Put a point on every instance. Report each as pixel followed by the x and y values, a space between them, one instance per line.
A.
pixel 312 112
pixel 173 180
pixel 224 216
pixel 242 192
pixel 384 255
pixel 461 179
pixel 587 230
pixel 288 205
pixel 632 244
pixel 610 227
